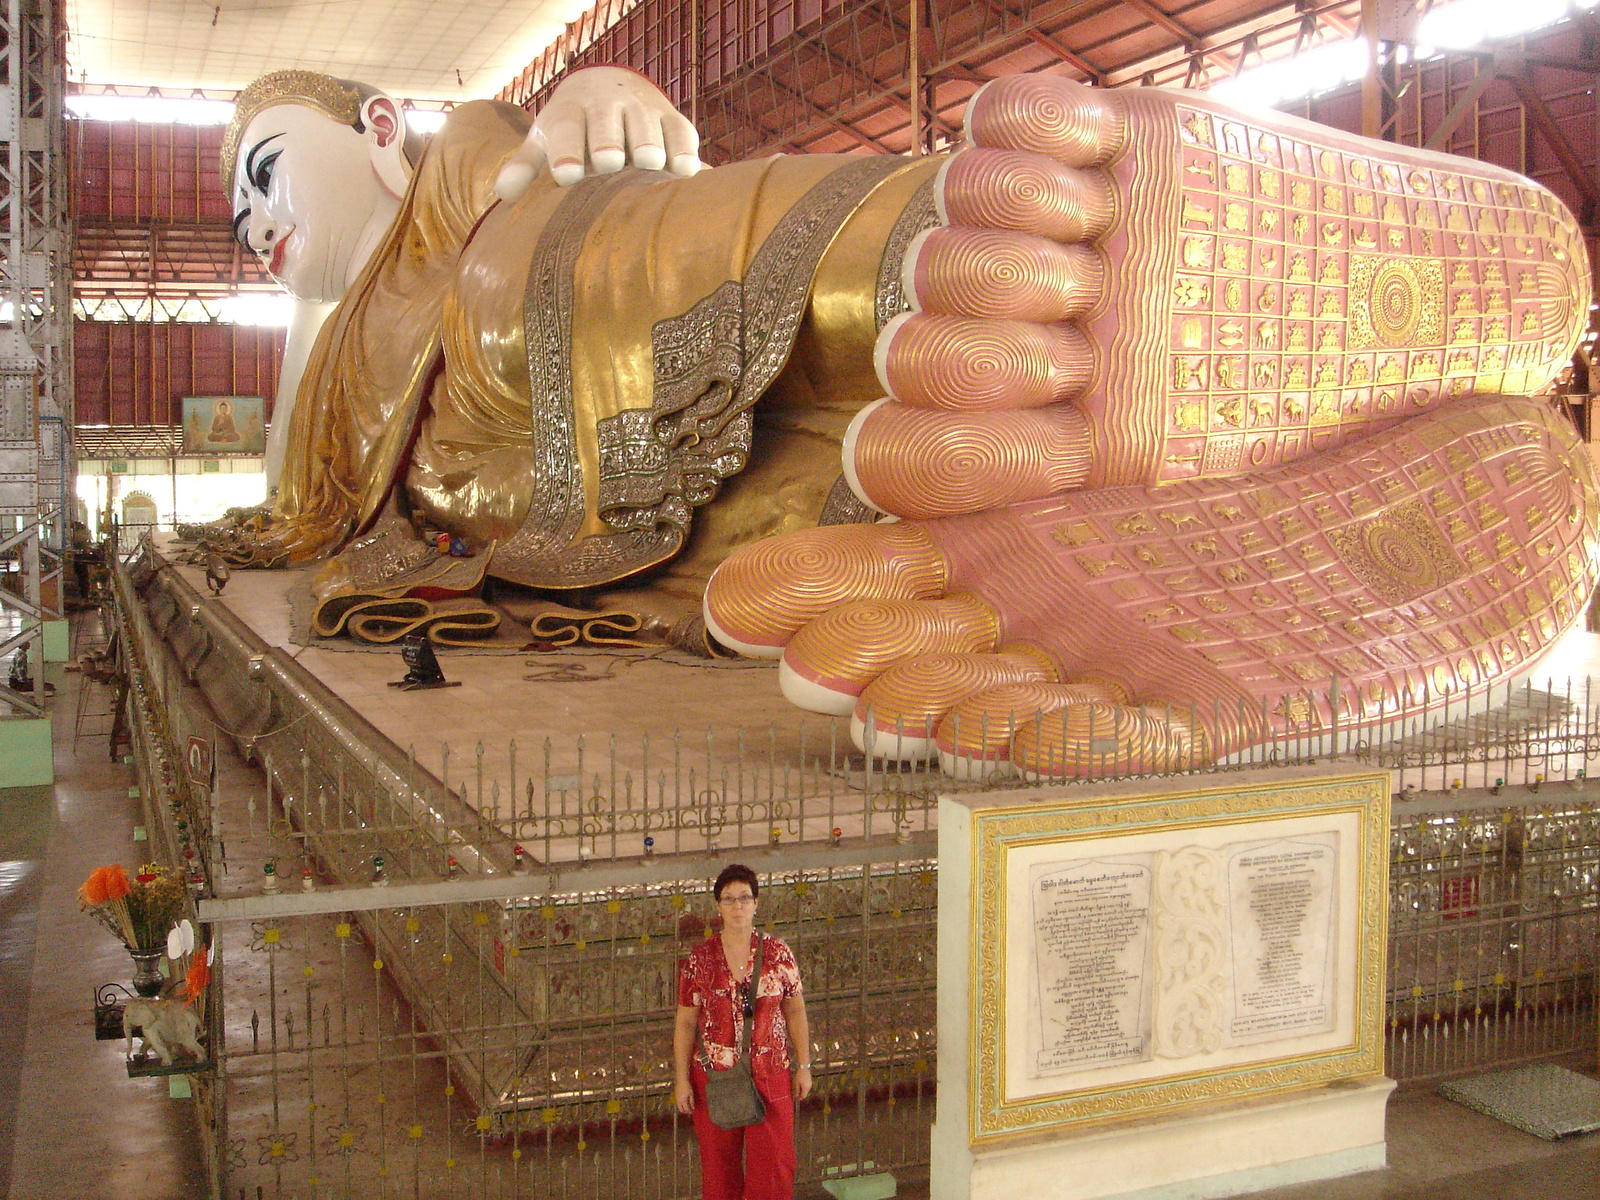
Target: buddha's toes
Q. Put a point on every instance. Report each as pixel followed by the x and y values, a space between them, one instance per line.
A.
pixel 1119 630
pixel 1143 286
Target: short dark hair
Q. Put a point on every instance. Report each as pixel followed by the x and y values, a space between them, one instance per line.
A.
pixel 735 873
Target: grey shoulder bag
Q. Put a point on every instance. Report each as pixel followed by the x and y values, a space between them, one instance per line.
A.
pixel 732 1101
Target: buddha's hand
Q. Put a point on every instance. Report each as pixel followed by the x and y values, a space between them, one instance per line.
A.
pixel 597 121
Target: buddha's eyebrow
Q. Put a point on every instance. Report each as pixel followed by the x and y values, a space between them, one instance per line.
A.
pixel 250 159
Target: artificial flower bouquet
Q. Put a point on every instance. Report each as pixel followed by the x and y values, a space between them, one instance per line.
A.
pixel 139 913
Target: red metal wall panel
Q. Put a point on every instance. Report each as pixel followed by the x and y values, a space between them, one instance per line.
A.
pixel 136 373
pixel 129 172
pixel 657 38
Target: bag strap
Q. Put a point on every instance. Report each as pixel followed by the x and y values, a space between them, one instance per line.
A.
pixel 747 1027
pixel 753 984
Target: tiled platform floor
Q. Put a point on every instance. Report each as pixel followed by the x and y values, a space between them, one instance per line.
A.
pixel 526 696
pixel 627 694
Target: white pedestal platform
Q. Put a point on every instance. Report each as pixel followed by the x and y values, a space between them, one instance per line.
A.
pixel 1229 1151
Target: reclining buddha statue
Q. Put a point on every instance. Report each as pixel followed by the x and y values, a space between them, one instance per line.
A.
pixel 1136 429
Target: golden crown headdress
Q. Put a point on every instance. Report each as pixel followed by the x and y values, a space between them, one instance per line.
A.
pixel 332 97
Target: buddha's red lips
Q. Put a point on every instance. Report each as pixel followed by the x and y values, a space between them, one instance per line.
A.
pixel 275 264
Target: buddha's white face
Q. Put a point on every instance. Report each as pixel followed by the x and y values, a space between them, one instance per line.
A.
pixel 313 198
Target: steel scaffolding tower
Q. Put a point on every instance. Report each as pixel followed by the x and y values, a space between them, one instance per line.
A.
pixel 35 334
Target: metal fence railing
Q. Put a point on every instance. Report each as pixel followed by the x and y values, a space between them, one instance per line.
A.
pixel 553 1079
pixel 1494 913
pixel 485 1024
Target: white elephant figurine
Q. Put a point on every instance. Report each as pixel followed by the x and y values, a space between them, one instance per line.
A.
pixel 163 1025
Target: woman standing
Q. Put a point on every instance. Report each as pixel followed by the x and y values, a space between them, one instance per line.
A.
pixel 715 999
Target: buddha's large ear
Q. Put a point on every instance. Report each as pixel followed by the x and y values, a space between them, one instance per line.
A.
pixel 385 131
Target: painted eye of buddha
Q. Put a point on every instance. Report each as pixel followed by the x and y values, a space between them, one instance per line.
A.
pixel 260 174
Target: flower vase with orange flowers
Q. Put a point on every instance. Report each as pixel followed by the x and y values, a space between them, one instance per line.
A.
pixel 139 913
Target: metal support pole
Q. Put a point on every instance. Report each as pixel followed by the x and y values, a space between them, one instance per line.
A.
pixel 914 73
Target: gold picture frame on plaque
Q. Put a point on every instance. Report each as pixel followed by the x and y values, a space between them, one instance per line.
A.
pixel 1202 1017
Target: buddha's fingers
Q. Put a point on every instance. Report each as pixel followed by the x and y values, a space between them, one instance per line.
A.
pixel 831 660
pixel 764 592
pixel 661 138
pixel 565 134
pixel 520 170
pixel 647 148
pixel 682 141
pixel 607 140
pixel 918 462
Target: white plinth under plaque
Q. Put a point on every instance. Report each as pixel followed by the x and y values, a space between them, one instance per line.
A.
pixel 1156 989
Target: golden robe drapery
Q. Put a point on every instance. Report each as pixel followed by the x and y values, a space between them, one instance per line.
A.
pixel 571 376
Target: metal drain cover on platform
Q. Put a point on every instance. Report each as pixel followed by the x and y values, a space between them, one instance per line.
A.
pixel 1547 1101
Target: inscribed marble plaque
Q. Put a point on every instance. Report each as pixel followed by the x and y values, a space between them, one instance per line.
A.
pixel 1091 935
pixel 1281 900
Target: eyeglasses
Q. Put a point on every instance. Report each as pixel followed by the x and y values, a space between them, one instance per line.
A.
pixel 737 900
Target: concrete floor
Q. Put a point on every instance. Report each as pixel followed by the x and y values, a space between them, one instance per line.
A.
pixel 1439 1150
pixel 73 1125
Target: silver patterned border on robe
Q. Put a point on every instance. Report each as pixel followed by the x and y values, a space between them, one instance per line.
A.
pixel 555 509
pixel 920 215
pixel 712 364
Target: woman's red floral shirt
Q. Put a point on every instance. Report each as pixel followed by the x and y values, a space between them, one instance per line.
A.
pixel 705 983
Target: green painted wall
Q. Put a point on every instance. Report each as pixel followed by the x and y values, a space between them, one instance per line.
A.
pixel 57 643
pixel 25 750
